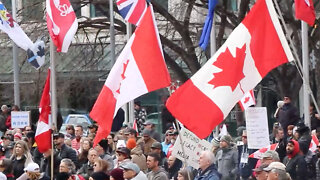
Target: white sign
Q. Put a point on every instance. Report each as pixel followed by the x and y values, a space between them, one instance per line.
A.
pixel 20 119
pixel 192 146
pixel 257 127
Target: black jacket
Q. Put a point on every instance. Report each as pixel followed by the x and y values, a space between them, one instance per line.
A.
pixel 86 170
pixel 245 169
pixel 68 152
pixel 18 166
pixel 296 167
pixel 45 165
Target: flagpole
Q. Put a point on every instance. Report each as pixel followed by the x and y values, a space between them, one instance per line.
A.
pixel 305 62
pixel 16 85
pixel 130 106
pixel 53 99
pixel 112 34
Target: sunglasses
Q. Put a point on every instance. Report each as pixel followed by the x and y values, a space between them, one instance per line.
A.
pixel 69 129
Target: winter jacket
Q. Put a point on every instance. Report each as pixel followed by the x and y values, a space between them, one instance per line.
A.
pixel 245 169
pixel 147 145
pixel 227 162
pixel 86 170
pixel 140 176
pixel 139 158
pixel 68 152
pixel 210 173
pixel 161 174
pixel 296 166
pixel 288 115
pixel 45 165
pixel 18 166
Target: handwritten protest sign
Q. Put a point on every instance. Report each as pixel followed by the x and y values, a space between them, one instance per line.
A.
pixel 192 146
pixel 20 119
pixel 257 127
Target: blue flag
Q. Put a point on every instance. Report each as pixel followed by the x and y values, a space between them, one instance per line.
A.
pixel 205 36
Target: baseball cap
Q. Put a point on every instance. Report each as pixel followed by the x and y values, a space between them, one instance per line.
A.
pixel 148 123
pixel 260 168
pixel 124 150
pixel 130 131
pixel 156 145
pixel 92 126
pixel 32 167
pixel 131 166
pixel 58 135
pixel 275 165
pixel 270 154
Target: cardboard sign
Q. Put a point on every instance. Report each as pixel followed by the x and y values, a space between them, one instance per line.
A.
pixel 20 119
pixel 192 147
pixel 257 127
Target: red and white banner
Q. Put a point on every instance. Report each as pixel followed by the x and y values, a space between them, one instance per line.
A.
pixel 254 48
pixel 247 100
pixel 43 132
pixel 139 69
pixel 305 11
pixel 259 153
pixel 61 22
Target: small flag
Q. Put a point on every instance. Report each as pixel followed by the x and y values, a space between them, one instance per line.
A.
pixel 305 11
pixel 132 10
pixel 62 23
pixel 43 132
pixel 314 143
pixel 258 153
pixel 205 36
pixel 247 100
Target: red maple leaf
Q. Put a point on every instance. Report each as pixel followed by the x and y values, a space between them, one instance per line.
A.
pixel 125 65
pixel 246 99
pixel 232 68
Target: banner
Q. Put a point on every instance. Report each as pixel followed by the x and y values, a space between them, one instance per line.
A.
pixel 192 146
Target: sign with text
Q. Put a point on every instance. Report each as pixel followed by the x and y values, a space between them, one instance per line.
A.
pixel 20 119
pixel 257 127
pixel 189 147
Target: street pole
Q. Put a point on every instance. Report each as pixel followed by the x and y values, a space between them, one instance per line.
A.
pixel 305 63
pixel 131 103
pixel 53 86
pixel 16 86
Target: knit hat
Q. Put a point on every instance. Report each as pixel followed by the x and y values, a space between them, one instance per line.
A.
pixel 117 174
pixel 215 142
pixel 100 176
pixel 18 135
pixel 131 143
pixel 104 144
pixel 226 138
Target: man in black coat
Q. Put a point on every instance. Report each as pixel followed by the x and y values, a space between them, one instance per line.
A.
pixel 63 150
pixel 288 114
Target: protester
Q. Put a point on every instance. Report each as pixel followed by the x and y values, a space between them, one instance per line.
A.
pixel 116 174
pixel 140 115
pixel 167 142
pixel 277 171
pixel 20 158
pixel 136 154
pixel 93 129
pixel 78 132
pixel 123 156
pixel 172 166
pixel 215 145
pixel 7 115
pixel 131 171
pixel 111 145
pixel 156 171
pixel 207 169
pixel 269 157
pixel 260 174
pixel 68 166
pixel 84 150
pixel 296 166
pixel 227 159
pixel 6 167
pixel 314 117
pixel 282 143
pixel 153 133
pixel 147 140
pixel 156 147
pixel 70 131
pixel 101 165
pixel 246 164
pixel 32 172
pixel 99 176
pixel 45 163
pixel 185 174
pixel 87 169
pixel 101 148
pixel 288 114
pixel 64 151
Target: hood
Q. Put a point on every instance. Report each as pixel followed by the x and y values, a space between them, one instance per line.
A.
pixel 295 150
pixel 137 151
pixel 161 170
pixel 140 176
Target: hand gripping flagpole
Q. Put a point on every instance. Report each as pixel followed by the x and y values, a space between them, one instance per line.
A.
pixel 296 57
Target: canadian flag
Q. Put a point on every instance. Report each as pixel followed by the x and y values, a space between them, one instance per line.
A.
pixel 314 143
pixel 139 69
pixel 259 152
pixel 254 48
pixel 62 23
pixel 43 132
pixel 305 11
pixel 247 100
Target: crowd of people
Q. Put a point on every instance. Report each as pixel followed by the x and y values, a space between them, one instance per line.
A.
pixel 129 155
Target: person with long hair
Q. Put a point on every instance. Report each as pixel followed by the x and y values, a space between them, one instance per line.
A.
pixel 111 145
pixel 100 165
pixel 20 158
pixel 184 174
pixel 84 150
pixel 32 172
